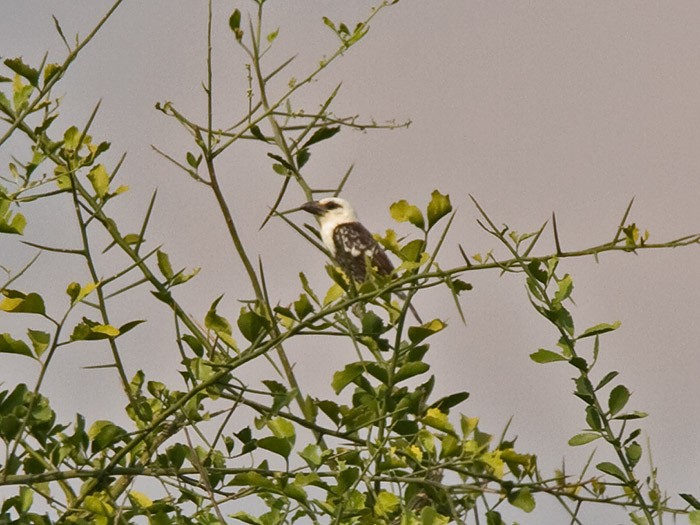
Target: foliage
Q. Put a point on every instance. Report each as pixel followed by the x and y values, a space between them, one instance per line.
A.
pixel 382 450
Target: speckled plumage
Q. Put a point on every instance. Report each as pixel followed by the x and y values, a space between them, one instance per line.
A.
pixel 349 242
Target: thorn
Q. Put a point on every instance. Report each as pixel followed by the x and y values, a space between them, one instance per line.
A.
pixel 464 255
pixel 556 233
pixel 622 222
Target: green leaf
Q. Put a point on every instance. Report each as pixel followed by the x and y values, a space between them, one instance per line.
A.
pixel 193 161
pixel 449 446
pixel 329 23
pixel 372 324
pixel 303 306
pixel 282 428
pixel 410 370
pixel 4 101
pixel 608 377
pixel 634 453
pixel 612 469
pixel 255 131
pixel 194 343
pixel 438 207
pixel 583 438
pixel 214 321
pixel 140 500
pixel 18 302
pixel 599 329
pixel 50 71
pixel 565 286
pixel 312 455
pixel 302 157
pixel 21 93
pixel 330 409
pixel 26 499
pixel 23 70
pixel 40 341
pixel 177 454
pixel 321 134
pixel 246 518
pixel 561 317
pixel 413 255
pixel 181 277
pixel 99 507
pixel 693 516
pixel 281 170
pixel 447 402
pixel 104 433
pixel 334 292
pixel 253 479
pixel 493 517
pixel 234 22
pixel 546 356
pixel 130 325
pixel 9 222
pixel 99 179
pixel 618 399
pixel 593 418
pixel 691 500
pixel 438 419
pixel 89 330
pixel 71 138
pixel 280 446
pixel 251 324
pixel 584 389
pixel 295 491
pixel 459 286
pixel 283 162
pixel 378 371
pixel 418 333
pixel 402 211
pixel 522 499
pixel 272 36
pixel 632 415
pixel 8 345
pixel 78 293
pixel 343 378
pixel 580 363
pixel 536 271
pixel 164 264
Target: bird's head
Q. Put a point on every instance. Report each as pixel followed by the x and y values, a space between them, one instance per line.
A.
pixel 331 211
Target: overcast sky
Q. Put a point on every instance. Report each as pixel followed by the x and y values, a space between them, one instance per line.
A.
pixel 532 107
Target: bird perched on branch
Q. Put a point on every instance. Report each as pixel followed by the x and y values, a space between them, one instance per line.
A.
pixel 350 243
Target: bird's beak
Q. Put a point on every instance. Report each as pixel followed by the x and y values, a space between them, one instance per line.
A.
pixel 313 207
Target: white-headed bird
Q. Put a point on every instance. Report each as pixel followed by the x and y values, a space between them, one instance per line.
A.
pixel 349 242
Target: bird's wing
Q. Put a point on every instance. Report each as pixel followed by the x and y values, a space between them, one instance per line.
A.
pixel 354 243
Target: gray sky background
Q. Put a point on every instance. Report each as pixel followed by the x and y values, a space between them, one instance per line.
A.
pixel 532 107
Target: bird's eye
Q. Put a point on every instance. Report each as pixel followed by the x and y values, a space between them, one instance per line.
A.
pixel 332 205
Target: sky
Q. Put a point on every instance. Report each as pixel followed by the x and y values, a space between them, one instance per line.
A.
pixel 531 107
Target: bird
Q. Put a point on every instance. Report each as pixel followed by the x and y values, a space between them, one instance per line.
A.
pixel 349 242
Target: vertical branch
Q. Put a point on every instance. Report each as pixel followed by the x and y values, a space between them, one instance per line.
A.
pixel 277 134
pixel 254 279
pixel 210 110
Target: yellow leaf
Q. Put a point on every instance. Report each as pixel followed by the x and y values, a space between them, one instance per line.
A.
pixel 386 503
pixel 140 499
pixel 334 292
